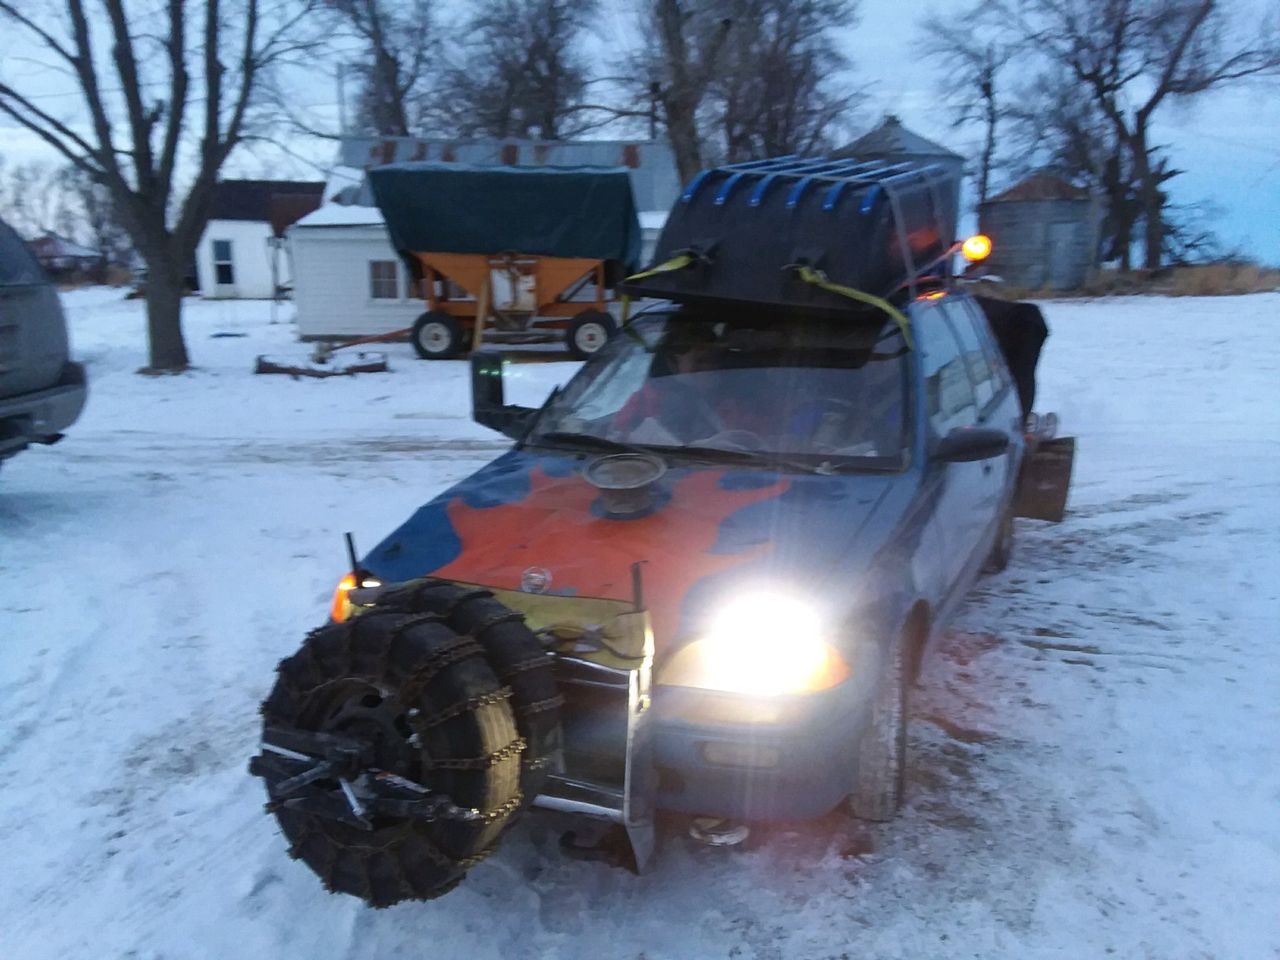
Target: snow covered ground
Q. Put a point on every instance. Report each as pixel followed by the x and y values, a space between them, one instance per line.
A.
pixel 1095 742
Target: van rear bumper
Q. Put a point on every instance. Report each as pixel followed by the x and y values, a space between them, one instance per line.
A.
pixel 40 417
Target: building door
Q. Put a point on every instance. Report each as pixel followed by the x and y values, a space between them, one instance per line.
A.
pixel 224 271
pixel 1063 274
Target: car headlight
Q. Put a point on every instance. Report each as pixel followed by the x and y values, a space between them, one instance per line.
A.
pixel 763 645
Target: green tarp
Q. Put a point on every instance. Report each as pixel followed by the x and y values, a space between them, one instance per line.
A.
pixel 548 211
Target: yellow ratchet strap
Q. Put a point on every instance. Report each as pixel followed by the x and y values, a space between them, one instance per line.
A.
pixel 675 263
pixel 819 279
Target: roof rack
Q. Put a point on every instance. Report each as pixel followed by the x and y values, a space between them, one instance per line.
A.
pixel 740 232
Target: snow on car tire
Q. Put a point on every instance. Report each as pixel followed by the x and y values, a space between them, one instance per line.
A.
pixel 426 701
pixel 516 656
pixel 882 749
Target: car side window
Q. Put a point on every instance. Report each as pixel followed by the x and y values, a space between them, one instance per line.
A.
pixel 1000 378
pixel 949 400
pixel 18 268
pixel 975 358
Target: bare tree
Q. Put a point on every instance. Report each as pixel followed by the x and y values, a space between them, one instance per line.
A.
pixel 973 49
pixel 524 74
pixel 684 45
pixel 115 59
pixel 96 223
pixel 1130 56
pixel 33 198
pixel 779 89
pixel 400 47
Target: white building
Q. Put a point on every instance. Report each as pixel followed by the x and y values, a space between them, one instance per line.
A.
pixel 350 282
pixel 240 254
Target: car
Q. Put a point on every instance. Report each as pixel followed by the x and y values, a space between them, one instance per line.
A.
pixel 701 582
pixel 42 391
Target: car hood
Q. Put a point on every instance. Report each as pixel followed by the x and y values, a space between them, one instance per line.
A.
pixel 716 532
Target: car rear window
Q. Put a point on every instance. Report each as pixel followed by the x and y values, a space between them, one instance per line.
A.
pixel 18 268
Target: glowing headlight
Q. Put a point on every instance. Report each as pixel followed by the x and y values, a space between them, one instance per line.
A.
pixel 764 645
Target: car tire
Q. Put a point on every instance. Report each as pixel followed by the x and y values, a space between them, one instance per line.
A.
pixel 437 336
pixel 880 761
pixel 517 658
pixel 1002 549
pixel 424 699
pixel 589 331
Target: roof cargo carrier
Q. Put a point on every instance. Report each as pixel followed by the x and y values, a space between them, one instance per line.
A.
pixel 786 232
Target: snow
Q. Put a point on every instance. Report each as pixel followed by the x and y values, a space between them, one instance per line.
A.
pixel 1095 759
pixel 342 215
pixel 652 219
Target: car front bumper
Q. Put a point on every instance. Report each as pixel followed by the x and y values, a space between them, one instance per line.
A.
pixel 791 757
pixel 40 417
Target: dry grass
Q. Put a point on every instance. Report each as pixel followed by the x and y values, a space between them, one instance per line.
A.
pixel 1219 279
pixel 1207 280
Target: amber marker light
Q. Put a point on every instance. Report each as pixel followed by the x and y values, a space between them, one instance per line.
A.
pixel 341 608
pixel 977 247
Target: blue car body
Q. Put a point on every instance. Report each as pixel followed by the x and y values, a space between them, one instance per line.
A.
pixel 883 551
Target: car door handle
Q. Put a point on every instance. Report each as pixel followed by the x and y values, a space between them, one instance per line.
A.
pixel 986 467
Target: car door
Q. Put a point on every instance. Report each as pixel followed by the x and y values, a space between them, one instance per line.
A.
pixel 1003 411
pixel 994 472
pixel 961 488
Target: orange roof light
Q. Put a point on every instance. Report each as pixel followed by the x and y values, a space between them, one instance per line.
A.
pixel 977 247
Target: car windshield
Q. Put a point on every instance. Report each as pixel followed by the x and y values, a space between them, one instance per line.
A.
pixel 808 390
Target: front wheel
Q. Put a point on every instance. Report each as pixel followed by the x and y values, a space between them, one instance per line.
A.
pixel 391 755
pixel 589 331
pixel 882 751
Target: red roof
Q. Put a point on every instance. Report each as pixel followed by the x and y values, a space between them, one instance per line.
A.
pixel 1041 186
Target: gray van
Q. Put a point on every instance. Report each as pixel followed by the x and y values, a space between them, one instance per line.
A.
pixel 41 391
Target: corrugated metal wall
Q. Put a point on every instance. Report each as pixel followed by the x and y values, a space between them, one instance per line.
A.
pixel 1039 243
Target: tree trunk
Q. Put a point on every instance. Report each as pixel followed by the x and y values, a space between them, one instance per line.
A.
pixel 682 130
pixel 1149 200
pixel 165 283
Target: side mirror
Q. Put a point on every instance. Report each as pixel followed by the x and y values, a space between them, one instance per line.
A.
pixel 964 445
pixel 488 404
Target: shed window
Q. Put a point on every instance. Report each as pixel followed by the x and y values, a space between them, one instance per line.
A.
pixel 224 273
pixel 383 283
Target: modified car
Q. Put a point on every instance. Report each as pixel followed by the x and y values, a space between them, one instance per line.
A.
pixel 702 580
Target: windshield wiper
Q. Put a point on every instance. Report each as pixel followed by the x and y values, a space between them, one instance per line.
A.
pixel 588 440
pixel 824 468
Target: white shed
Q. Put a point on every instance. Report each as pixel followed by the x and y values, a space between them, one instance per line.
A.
pixel 349 282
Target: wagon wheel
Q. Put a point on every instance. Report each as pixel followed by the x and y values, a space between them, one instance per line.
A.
pixel 437 336
pixel 588 332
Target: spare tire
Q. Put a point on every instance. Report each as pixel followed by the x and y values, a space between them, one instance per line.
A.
pixel 516 657
pixel 422 707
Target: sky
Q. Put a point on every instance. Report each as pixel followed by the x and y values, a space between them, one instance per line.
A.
pixel 1227 144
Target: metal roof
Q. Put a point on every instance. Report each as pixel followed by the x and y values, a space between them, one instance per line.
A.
pixel 654 180
pixel 1041 185
pixel 253 199
pixel 892 139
